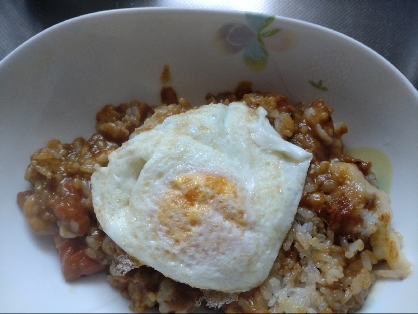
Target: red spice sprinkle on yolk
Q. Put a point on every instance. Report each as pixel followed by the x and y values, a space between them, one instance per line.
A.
pixel 191 197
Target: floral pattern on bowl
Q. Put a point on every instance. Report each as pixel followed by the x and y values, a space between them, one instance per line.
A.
pixel 331 70
pixel 255 39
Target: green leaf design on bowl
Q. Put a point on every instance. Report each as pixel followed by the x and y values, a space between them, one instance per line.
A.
pixel 232 38
pixel 269 33
pixel 319 85
pixel 258 21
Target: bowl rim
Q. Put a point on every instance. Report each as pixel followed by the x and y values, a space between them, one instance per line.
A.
pixel 164 10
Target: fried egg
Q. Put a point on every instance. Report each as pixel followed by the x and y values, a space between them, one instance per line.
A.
pixel 206 197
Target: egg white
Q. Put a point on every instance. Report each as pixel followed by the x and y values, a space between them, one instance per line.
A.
pixel 206 197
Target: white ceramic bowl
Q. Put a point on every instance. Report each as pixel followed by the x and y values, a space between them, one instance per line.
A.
pixel 53 84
